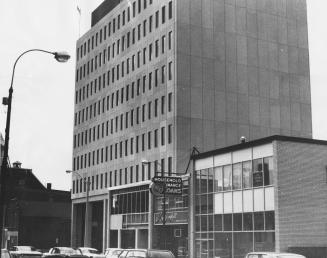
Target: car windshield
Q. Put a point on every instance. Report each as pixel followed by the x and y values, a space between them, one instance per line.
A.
pixel 114 252
pixel 91 251
pixel 69 251
pixel 123 254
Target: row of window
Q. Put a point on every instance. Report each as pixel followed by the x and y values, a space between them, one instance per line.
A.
pixel 152 78
pixel 142 142
pixel 132 202
pixel 130 64
pixel 120 176
pixel 250 221
pixel 123 121
pixel 114 26
pixel 123 95
pixel 242 175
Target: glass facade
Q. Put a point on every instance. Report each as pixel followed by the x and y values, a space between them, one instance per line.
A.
pixel 133 200
pixel 234 209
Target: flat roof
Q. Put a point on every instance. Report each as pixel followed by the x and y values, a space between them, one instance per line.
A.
pixel 257 142
pixel 102 10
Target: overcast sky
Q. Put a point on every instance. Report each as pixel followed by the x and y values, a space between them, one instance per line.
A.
pixel 43 103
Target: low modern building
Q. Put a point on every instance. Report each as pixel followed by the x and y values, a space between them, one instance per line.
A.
pixel 267 194
pixel 35 215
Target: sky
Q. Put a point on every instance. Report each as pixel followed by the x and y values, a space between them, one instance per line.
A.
pixel 41 132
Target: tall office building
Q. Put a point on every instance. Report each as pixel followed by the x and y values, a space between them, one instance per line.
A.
pixel 155 78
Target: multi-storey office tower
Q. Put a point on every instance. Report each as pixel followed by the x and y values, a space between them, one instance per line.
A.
pixel 155 78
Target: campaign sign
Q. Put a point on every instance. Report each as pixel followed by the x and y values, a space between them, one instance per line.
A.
pixel 171 185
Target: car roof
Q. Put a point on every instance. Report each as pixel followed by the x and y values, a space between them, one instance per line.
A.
pixel 133 249
pixel 276 253
pixel 64 248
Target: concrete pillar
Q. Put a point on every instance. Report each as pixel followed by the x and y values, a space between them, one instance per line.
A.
pixel 104 227
pixel 151 218
pixel 88 241
pixel 137 232
pixel 191 224
pixel 73 231
pixel 108 219
pixel 119 238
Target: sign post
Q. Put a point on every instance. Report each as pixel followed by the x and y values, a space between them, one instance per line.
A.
pixel 166 185
pixel 162 185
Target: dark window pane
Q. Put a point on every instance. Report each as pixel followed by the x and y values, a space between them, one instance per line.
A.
pixel 237 223
pixel 204 204
pixel 210 222
pixel 210 203
pixel 247 222
pixel 257 173
pixel 197 223
pixel 204 223
pixel 268 171
pixel 270 220
pixel 227 218
pixel 218 225
pixel 210 180
pixel 204 181
pixel 197 204
pixel 258 221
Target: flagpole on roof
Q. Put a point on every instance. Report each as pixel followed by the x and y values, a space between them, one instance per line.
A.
pixel 79 20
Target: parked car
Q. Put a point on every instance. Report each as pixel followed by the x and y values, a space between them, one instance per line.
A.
pixel 91 252
pixel 5 253
pixel 23 248
pixel 113 252
pixel 273 255
pixel 24 252
pixel 146 253
pixel 64 252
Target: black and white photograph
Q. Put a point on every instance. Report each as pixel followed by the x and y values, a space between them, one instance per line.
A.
pixel 163 129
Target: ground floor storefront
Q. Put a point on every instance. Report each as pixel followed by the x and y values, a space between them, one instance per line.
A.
pixel 130 216
pixel 236 200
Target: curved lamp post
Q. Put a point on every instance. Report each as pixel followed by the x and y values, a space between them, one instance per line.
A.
pixel 60 57
pixel 86 219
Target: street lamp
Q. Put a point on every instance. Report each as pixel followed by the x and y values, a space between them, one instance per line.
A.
pixel 60 57
pixel 86 219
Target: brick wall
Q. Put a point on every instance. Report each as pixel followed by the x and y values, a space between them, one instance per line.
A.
pixel 301 195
